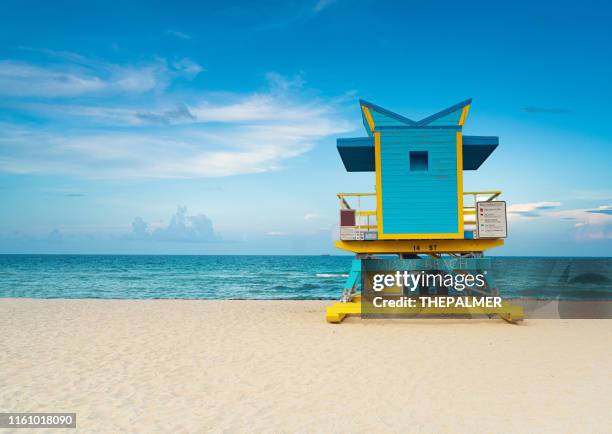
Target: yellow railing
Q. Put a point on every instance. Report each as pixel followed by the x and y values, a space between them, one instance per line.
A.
pixel 469 223
pixel 363 218
pixel 355 194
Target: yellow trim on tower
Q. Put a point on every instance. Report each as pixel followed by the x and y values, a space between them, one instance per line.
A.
pixel 464 114
pixel 460 182
pixel 379 220
pixel 337 312
pixel 429 236
pixel 428 246
pixel 368 116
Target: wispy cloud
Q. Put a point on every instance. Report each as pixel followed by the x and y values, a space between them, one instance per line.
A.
pixel 257 108
pixel 187 154
pixel 72 75
pixel 277 234
pixel 533 209
pixel 288 14
pixel 590 223
pixel 322 4
pixel 177 34
pixel 536 109
pixel 311 216
pixel 187 67
pixel 23 79
pixel 186 136
pixel 180 113
pixel 281 83
pixel 604 209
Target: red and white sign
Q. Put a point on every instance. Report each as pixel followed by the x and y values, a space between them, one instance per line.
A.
pixel 491 219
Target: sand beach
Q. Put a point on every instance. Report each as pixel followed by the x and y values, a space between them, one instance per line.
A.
pixel 277 366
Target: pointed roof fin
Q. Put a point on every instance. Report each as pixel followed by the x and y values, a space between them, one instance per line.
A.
pixel 452 116
pixel 375 116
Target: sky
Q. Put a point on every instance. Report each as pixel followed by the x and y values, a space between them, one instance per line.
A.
pixel 210 127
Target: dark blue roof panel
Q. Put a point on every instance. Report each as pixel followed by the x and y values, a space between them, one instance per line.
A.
pixel 476 149
pixel 357 154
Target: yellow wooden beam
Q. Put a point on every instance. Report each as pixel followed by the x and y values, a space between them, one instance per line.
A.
pixel 461 232
pixel 338 311
pixel 515 312
pixel 368 116
pixel 508 312
pixel 464 114
pixel 419 246
pixel 355 194
pixel 496 192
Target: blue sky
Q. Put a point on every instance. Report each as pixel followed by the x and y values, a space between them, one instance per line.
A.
pixel 210 127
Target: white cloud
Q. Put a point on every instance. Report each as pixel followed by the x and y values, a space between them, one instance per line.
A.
pixel 182 227
pixel 190 153
pixel 311 216
pixel 80 76
pixel 591 223
pixel 246 109
pixel 188 67
pixel 22 79
pixel 604 209
pixel 261 107
pixel 281 83
pixel 322 4
pixel 533 209
pixel 213 135
pixel 177 34
pixel 277 234
pixel 139 228
pixel 588 223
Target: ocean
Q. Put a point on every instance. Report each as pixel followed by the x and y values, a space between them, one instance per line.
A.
pixel 266 277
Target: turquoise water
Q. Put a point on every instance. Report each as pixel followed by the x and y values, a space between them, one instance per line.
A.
pixel 265 277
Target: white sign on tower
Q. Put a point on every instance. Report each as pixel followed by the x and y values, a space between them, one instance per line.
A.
pixel 491 219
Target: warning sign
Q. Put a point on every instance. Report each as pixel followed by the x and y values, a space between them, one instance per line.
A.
pixel 491 219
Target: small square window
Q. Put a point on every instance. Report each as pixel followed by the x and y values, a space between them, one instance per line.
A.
pixel 419 161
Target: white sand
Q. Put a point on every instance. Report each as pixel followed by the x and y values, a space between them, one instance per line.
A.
pixel 276 366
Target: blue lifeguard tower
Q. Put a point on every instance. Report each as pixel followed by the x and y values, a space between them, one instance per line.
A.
pixel 421 213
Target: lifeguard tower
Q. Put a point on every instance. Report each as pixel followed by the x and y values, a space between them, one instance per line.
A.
pixel 419 212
